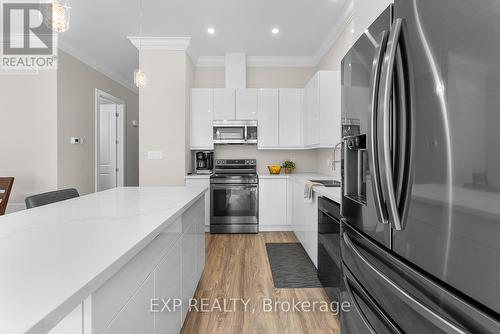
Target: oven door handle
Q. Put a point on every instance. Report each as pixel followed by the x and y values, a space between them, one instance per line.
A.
pixel 233 186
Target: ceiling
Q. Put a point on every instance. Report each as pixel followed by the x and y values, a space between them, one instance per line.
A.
pixel 99 29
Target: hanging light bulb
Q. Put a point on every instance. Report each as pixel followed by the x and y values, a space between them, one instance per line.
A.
pixel 140 79
pixel 58 19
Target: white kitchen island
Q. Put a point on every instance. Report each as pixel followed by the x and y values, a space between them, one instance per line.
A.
pixel 92 264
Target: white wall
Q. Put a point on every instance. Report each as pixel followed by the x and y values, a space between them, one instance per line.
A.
pixel 28 133
pixel 162 117
pixel 76 86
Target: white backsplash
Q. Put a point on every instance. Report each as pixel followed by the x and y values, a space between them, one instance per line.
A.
pixel 324 157
pixel 306 161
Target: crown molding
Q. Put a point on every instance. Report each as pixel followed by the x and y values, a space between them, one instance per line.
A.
pixel 161 43
pixel 97 65
pixel 165 43
pixel 334 34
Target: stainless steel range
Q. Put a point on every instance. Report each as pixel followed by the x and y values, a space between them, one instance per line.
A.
pixel 234 200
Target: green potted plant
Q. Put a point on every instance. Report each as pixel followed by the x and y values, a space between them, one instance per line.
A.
pixel 289 166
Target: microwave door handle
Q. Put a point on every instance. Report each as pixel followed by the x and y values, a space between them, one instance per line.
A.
pixel 442 323
pixel 373 147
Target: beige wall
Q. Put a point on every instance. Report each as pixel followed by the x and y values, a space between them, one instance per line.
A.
pixel 28 133
pixel 162 118
pixel 257 77
pixel 189 84
pixel 76 87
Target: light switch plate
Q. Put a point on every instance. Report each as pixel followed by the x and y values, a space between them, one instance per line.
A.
pixel 155 155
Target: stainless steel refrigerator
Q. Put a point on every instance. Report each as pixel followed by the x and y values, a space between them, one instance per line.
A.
pixel 420 234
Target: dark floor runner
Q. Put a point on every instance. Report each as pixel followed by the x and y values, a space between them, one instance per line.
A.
pixel 291 266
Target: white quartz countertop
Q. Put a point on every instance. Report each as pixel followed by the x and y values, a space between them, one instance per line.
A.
pixel 332 193
pixel 53 257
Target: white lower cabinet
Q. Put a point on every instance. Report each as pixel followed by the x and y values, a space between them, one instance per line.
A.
pixel 305 220
pixel 203 182
pixel 273 202
pixel 169 267
pixel 136 316
pixel 168 285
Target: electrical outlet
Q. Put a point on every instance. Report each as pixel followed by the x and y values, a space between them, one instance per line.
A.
pixel 329 162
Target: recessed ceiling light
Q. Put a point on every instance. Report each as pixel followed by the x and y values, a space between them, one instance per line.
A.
pixel 211 31
pixel 275 31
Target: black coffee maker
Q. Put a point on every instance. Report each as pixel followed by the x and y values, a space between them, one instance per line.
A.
pixel 204 162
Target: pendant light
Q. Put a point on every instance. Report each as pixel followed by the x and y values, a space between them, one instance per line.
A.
pixel 140 79
pixel 58 18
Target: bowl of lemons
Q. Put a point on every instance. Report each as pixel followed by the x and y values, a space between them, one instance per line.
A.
pixel 274 169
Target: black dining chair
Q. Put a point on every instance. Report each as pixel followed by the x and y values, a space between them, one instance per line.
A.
pixel 50 197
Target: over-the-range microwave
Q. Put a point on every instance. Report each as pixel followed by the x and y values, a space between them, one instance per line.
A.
pixel 235 132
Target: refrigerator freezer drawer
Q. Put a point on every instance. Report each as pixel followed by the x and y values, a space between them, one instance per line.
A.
pixel 364 315
pixel 418 303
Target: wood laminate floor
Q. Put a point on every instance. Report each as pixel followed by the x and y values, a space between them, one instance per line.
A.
pixel 237 267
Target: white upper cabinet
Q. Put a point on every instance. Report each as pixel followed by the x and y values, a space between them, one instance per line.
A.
pixel 247 104
pixel 290 117
pixel 311 112
pixel 330 112
pixel 322 114
pixel 268 118
pixel 202 118
pixel 224 104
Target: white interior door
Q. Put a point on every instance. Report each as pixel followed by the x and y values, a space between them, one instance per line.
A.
pixel 107 165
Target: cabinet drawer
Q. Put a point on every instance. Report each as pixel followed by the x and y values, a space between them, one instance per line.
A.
pixel 108 300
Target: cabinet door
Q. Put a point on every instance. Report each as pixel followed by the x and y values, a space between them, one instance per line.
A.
pixel 290 117
pixel 246 104
pixel 136 317
pixel 202 118
pixel 311 113
pixel 224 104
pixel 273 202
pixel 168 285
pixel 204 183
pixel 268 118
pixel 330 126
pixel 189 267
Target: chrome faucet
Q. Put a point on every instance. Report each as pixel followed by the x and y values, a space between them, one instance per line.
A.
pixel 334 156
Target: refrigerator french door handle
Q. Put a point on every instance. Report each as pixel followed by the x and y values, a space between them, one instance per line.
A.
pixel 358 308
pixel 372 155
pixel 385 103
pixel 439 321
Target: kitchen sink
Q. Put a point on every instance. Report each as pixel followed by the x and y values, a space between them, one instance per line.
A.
pixel 328 183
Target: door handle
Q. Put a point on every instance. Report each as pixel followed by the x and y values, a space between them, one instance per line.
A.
pixel 385 105
pixel 373 151
pixel 439 321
